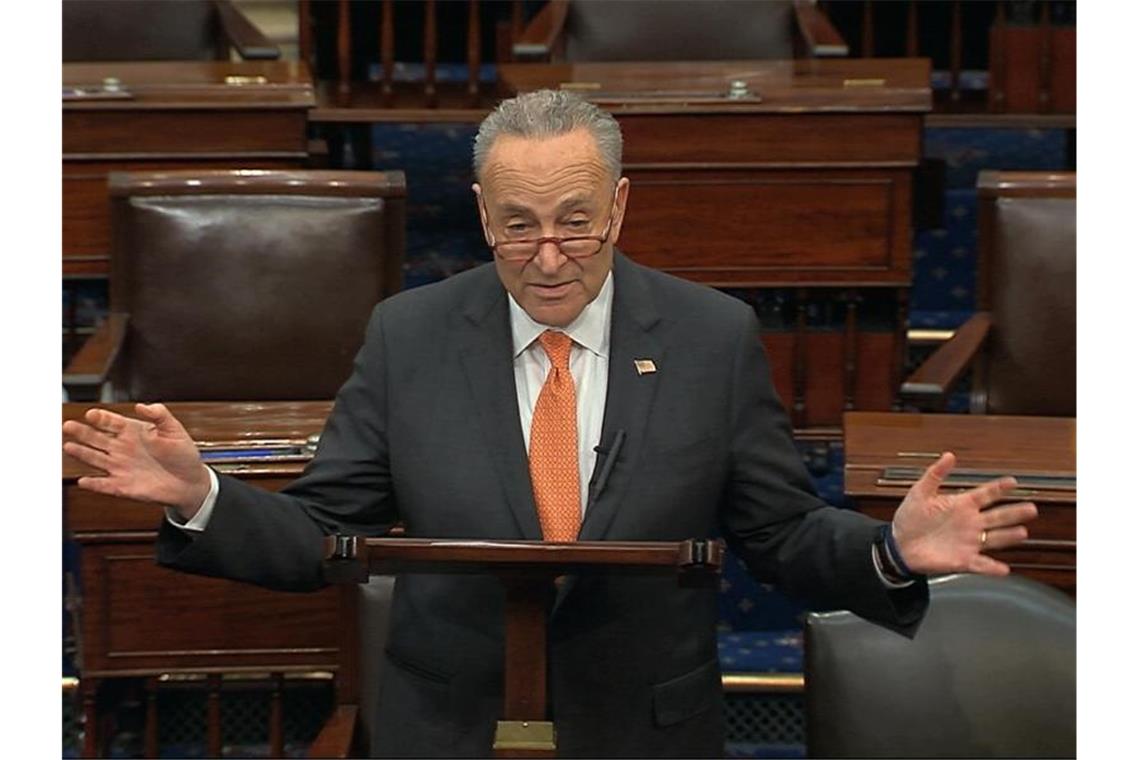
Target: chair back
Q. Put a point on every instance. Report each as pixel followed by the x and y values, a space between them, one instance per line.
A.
pixel 991 672
pixel 141 30
pixel 1028 282
pixel 250 285
pixel 650 30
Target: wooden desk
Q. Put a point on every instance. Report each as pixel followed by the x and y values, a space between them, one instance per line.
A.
pixel 1021 446
pixel 170 115
pixel 139 619
pixel 804 184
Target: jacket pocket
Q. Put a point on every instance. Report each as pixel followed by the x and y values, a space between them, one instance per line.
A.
pixel 686 695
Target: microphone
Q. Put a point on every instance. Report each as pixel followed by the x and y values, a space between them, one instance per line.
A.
pixel 610 455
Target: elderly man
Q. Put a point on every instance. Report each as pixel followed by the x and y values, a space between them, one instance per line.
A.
pixel 485 406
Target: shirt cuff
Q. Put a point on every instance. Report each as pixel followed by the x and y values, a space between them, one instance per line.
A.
pixel 201 518
pixel 882 576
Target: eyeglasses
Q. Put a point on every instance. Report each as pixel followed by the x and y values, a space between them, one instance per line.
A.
pixel 574 247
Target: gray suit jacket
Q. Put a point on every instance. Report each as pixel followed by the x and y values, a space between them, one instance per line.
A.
pixel 427 431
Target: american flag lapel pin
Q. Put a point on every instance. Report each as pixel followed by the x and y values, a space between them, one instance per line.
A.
pixel 644 366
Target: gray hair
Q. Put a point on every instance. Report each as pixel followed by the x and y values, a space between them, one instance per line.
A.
pixel 548 113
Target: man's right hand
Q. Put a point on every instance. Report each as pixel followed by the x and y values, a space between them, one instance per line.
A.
pixel 150 459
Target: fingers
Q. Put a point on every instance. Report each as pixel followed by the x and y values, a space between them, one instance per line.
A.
pixel 1009 514
pixel 99 485
pixel 987 493
pixel 159 415
pixel 984 565
pixel 94 457
pixel 106 421
pixel 1004 538
pixel 87 435
pixel 935 474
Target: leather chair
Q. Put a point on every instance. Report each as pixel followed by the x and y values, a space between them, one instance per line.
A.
pixel 650 30
pixel 241 285
pixel 991 672
pixel 1022 342
pixel 145 30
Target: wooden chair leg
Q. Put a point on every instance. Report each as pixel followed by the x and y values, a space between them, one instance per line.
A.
pixel 214 716
pixel 150 728
pixel 276 721
pixel 89 689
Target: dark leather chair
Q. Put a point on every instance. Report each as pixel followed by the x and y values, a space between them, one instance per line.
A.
pixel 991 672
pixel 241 285
pixel 650 30
pixel 145 30
pixel 1022 342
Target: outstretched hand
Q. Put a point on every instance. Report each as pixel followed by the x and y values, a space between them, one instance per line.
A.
pixel 950 533
pixel 150 459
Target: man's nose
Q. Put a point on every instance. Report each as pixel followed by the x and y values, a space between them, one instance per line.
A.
pixel 549 256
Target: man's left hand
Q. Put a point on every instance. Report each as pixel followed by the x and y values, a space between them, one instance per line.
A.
pixel 951 533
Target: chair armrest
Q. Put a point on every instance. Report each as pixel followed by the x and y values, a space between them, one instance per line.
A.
pixel 538 40
pixel 336 736
pixel 92 364
pixel 819 37
pixel 931 382
pixel 246 38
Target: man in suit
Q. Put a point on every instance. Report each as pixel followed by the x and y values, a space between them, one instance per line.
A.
pixel 562 393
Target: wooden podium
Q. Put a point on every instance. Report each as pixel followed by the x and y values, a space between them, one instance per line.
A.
pixel 529 571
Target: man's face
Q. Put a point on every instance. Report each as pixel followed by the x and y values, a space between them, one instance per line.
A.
pixel 551 187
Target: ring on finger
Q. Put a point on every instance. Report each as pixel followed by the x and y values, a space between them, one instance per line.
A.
pixel 984 537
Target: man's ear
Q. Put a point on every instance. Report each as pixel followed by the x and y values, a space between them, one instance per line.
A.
pixel 481 205
pixel 619 208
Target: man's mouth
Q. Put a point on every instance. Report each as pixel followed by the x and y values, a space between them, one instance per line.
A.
pixel 556 290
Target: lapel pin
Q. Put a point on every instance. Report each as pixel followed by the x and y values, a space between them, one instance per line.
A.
pixel 644 366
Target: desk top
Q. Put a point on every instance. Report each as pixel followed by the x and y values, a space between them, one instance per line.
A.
pixel 187 84
pixel 237 423
pixel 816 86
pixel 1019 446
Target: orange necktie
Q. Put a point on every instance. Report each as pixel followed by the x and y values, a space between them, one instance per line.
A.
pixel 554 445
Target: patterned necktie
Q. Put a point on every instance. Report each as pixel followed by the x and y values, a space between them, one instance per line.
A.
pixel 554 445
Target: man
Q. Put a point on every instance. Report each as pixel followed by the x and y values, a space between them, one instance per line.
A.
pixel 564 392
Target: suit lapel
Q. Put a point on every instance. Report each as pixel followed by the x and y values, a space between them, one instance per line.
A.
pixel 485 337
pixel 629 396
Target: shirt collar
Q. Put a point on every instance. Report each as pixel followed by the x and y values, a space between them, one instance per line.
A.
pixel 591 329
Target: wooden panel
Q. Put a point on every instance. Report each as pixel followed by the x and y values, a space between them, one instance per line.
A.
pixel 91 516
pixel 1063 70
pixel 837 85
pixel 771 228
pixel 776 139
pixel 166 132
pixel 1018 444
pixel 152 617
pixel 1019 69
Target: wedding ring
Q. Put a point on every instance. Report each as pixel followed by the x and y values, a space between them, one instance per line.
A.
pixel 985 536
